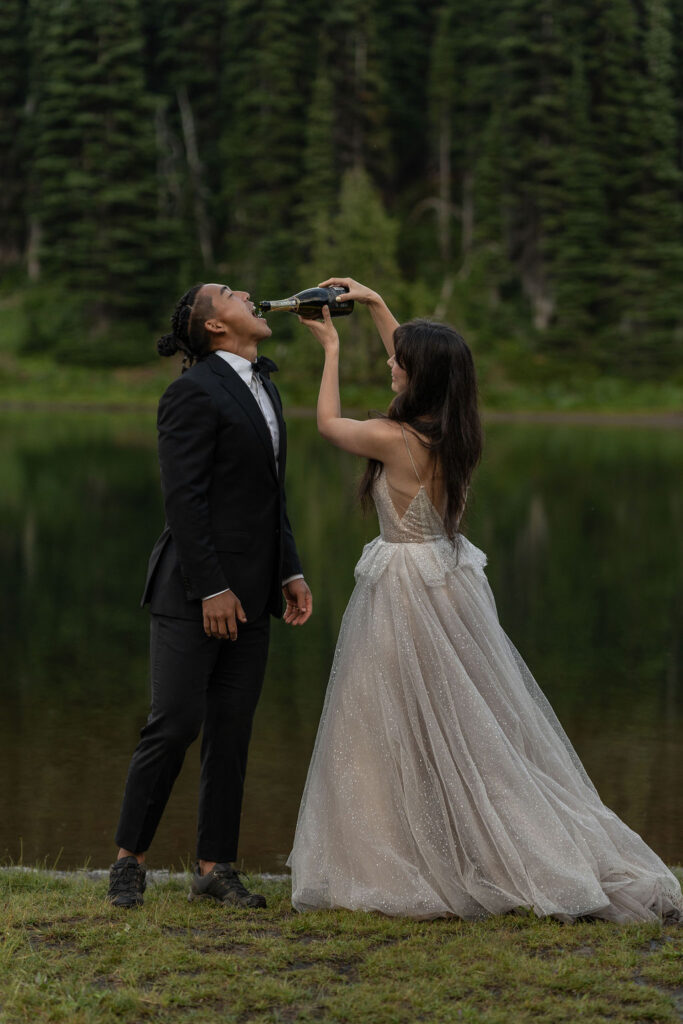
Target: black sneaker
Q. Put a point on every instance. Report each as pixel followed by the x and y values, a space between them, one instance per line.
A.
pixel 126 883
pixel 223 885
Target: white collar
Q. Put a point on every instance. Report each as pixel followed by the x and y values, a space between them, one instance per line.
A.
pixel 239 364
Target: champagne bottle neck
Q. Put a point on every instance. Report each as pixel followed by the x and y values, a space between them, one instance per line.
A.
pixel 286 304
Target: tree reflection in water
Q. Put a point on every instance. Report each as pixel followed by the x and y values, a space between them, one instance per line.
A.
pixel 582 527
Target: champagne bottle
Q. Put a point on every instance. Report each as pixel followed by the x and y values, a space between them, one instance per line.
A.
pixel 309 303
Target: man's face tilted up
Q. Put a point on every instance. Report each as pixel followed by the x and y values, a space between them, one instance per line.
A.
pixel 232 322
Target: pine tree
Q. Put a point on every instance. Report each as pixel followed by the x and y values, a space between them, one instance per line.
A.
pixel 445 84
pixel 521 161
pixel 362 240
pixel 616 77
pixel 404 32
pixel 582 252
pixel 489 271
pixel 636 136
pixel 676 8
pixel 464 86
pixel 346 120
pixel 63 181
pixel 186 41
pixel 537 75
pixel 12 156
pixel 653 230
pixel 130 248
pixel 321 178
pixel 265 109
pixel 350 36
pixel 93 200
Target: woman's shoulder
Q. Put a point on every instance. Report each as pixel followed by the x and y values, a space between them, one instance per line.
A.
pixel 415 433
pixel 383 427
pixel 394 427
pixel 395 435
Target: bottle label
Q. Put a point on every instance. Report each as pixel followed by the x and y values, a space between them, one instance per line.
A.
pixel 285 304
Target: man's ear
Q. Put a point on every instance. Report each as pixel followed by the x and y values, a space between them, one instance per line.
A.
pixel 215 326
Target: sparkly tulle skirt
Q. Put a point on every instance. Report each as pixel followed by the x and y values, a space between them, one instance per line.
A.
pixel 441 781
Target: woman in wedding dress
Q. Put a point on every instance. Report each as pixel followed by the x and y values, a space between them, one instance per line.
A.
pixel 441 782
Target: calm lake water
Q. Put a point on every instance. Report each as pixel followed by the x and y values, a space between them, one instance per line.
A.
pixel 583 527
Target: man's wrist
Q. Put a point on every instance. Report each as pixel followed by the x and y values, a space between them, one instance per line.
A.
pixel 217 594
pixel 290 579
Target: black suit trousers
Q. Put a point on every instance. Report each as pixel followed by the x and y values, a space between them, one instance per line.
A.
pixel 197 683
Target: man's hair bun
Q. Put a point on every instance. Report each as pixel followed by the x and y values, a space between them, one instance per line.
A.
pixel 168 345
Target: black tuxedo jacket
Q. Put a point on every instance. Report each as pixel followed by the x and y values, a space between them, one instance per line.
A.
pixel 226 514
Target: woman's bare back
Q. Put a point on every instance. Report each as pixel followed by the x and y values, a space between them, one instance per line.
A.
pixel 409 466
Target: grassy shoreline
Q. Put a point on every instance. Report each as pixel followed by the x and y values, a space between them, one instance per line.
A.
pixel 41 381
pixel 659 419
pixel 528 384
pixel 68 955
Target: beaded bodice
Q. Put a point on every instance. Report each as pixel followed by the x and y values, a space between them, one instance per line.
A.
pixel 419 524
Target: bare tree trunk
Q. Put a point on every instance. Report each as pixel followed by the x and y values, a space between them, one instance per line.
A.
pixel 532 269
pixel 445 296
pixel 443 214
pixel 535 286
pixel 360 73
pixel 169 162
pixel 196 176
pixel 33 249
pixel 466 223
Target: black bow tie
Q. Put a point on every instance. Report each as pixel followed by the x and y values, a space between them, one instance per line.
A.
pixel 264 367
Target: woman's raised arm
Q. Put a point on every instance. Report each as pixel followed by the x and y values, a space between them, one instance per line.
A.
pixel 385 322
pixel 369 438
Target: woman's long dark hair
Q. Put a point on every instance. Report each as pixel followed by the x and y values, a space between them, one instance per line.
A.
pixel 188 334
pixel 439 403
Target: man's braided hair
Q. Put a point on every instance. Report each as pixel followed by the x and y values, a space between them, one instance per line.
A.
pixel 187 328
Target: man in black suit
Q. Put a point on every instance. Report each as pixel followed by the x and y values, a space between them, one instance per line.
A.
pixel 216 575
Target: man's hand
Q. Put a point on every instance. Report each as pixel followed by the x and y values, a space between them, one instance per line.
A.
pixel 299 602
pixel 221 614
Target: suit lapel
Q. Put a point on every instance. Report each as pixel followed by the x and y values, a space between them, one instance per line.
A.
pixel 233 383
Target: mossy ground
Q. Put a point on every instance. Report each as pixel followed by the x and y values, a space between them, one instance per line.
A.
pixel 66 955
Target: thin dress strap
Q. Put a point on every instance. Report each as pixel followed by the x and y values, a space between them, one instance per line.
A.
pixel 419 478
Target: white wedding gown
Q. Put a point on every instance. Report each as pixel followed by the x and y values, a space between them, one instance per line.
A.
pixel 441 782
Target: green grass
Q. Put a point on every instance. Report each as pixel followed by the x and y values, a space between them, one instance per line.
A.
pixel 66 955
pixel 531 385
pixel 40 381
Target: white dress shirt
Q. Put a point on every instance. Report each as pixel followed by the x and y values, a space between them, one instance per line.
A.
pixel 244 369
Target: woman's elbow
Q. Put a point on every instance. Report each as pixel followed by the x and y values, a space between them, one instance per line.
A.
pixel 329 429
pixel 325 427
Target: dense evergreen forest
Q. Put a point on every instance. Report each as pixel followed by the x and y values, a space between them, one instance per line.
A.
pixel 515 168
